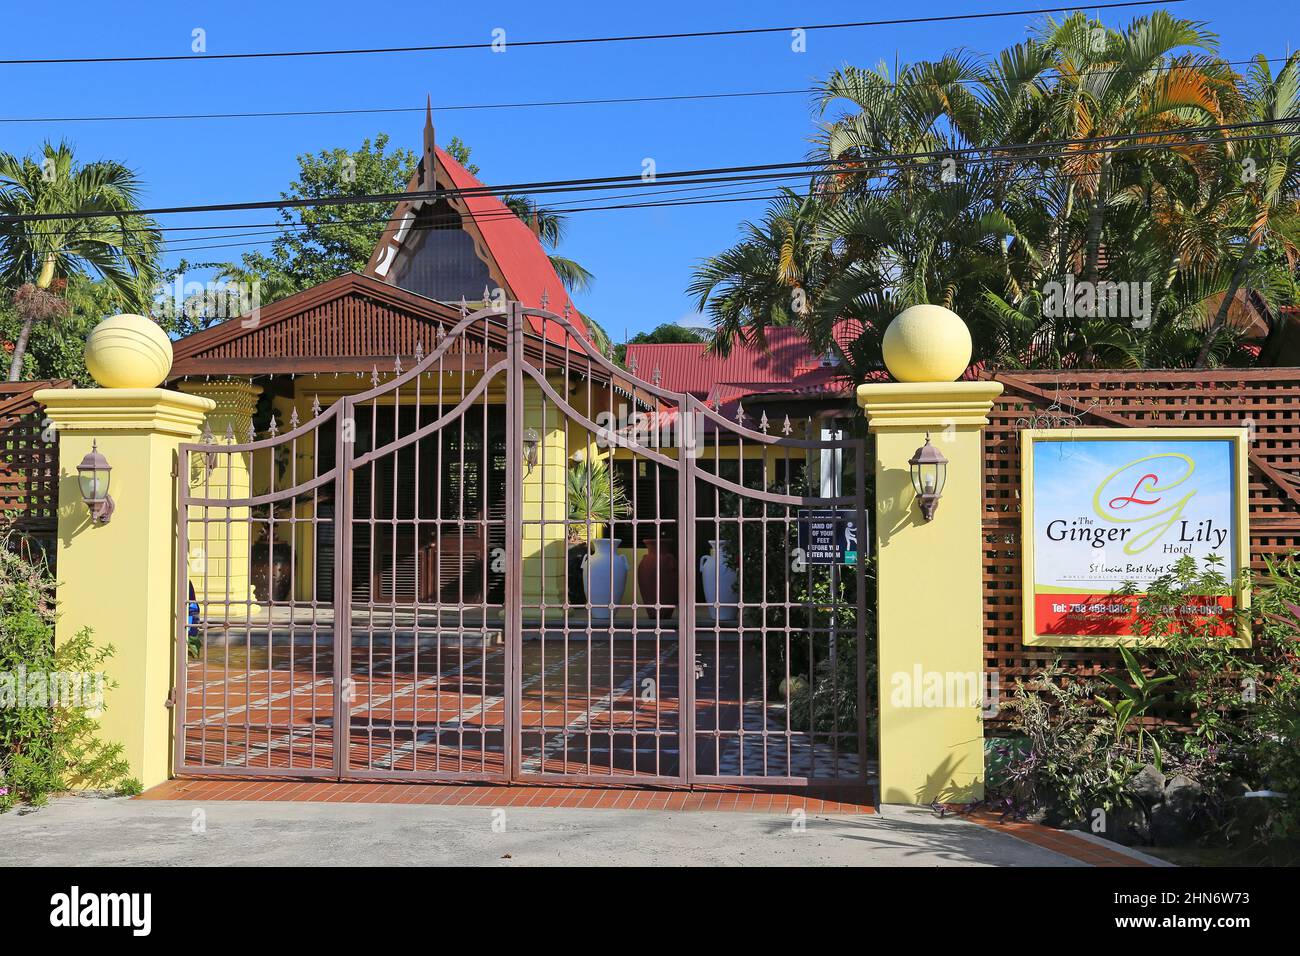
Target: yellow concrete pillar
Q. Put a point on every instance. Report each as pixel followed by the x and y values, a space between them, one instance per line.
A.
pixel 219 562
pixel 545 499
pixel 119 579
pixel 929 573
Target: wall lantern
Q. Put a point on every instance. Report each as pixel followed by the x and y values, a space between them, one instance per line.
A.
pixel 929 471
pixel 531 442
pixel 93 476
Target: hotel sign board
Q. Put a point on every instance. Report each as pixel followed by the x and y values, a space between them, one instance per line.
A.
pixel 1107 508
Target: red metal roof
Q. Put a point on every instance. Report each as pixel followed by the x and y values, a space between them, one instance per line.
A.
pixel 788 364
pixel 517 251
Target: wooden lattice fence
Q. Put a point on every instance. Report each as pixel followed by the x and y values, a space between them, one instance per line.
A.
pixel 1270 398
pixel 29 468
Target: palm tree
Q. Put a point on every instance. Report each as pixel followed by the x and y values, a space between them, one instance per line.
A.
pixel 37 257
pixel 772 277
pixel 1120 84
pixel 1269 179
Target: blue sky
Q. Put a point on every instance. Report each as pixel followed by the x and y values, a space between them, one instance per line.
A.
pixel 642 258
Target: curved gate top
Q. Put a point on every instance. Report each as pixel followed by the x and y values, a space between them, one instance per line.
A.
pixel 515 560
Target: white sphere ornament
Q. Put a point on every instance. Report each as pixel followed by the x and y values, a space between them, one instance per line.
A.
pixel 128 351
pixel 927 343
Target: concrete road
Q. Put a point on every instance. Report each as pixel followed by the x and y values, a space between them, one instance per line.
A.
pixel 96 831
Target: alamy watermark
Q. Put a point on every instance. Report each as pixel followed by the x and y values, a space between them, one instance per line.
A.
pixel 206 303
pixel 622 428
pixel 23 689
pixel 1081 299
pixel 921 688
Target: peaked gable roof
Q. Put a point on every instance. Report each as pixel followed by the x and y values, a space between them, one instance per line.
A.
pixel 511 250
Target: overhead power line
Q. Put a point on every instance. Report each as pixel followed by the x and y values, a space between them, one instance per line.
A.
pixel 721 174
pixel 510 105
pixel 506 43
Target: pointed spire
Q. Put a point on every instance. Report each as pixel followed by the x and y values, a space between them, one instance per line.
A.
pixel 740 414
pixel 315 406
pixel 230 433
pixel 419 351
pixel 442 333
pixel 275 427
pixel 293 418
pixel 374 375
pixel 487 295
pixel 762 422
pixel 658 376
pixel 252 432
pixel 429 163
pixel 397 365
pixel 546 298
pixel 786 427
pixel 631 365
pixel 207 437
pixel 464 309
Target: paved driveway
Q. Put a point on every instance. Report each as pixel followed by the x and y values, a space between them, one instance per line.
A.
pixel 92 831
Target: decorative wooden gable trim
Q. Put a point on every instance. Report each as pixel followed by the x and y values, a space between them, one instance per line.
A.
pixel 346 324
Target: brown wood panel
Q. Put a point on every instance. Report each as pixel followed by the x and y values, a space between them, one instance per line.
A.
pixel 29 466
pixel 1268 397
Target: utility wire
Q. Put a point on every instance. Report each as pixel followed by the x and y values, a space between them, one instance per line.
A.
pixel 876 163
pixel 526 104
pixel 505 43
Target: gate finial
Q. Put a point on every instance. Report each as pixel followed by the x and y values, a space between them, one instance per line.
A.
pixel 374 375
pixel 293 418
pixel 397 365
pixel 762 423
pixel 740 414
pixel 786 427
pixel 419 351
pixel 315 406
pixel 275 428
pixel 464 308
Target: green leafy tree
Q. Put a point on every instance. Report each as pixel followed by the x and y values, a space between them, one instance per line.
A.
pixel 669 333
pixel 321 243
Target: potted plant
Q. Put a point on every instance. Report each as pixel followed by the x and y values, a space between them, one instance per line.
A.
pixel 595 499
pixel 271 568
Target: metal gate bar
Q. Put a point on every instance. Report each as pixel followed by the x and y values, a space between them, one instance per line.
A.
pixel 432 603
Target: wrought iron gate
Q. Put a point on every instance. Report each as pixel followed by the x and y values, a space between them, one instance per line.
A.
pixel 515 560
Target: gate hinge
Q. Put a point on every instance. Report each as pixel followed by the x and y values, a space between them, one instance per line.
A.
pixel 170 702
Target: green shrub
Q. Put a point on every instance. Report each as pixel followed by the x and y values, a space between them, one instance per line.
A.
pixel 47 745
pixel 1063 762
pixel 1229 718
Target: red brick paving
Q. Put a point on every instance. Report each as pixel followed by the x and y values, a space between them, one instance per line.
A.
pixel 842 801
pixel 1059 841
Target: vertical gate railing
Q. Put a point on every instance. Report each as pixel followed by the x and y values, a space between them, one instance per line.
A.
pixel 257 676
pixel 516 560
